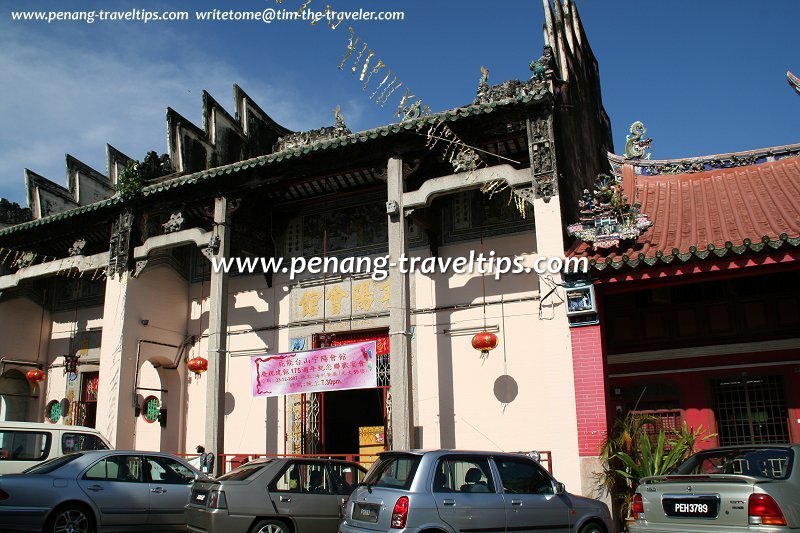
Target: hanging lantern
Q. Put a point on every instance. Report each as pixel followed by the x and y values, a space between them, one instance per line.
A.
pixel 484 341
pixel 35 376
pixel 198 365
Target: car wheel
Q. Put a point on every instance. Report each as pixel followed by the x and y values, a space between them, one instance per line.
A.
pixel 592 527
pixel 70 519
pixel 270 526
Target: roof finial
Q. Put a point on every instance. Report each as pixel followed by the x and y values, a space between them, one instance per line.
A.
pixel 636 144
pixel 483 83
pixel 794 81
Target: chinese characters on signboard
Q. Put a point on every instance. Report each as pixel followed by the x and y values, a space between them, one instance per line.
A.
pixel 352 366
pixel 341 299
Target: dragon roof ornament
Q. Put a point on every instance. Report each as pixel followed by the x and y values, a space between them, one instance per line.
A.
pixel 541 73
pixel 307 138
pixel 636 144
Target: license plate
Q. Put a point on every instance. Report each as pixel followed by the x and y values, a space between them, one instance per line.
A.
pixel 691 507
pixel 365 512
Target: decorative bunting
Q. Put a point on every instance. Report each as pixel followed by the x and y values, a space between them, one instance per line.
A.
pixel 461 156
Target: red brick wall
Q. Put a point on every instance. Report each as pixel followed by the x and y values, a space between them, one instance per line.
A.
pixel 590 388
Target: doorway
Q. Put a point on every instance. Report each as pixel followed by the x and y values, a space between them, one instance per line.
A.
pixel 87 406
pixel 344 412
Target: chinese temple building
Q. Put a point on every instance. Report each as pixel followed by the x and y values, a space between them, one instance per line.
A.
pixel 109 289
pixel 699 312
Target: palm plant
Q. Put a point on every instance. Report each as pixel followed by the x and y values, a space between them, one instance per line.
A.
pixel 631 452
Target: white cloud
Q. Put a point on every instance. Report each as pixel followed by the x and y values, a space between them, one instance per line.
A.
pixel 61 94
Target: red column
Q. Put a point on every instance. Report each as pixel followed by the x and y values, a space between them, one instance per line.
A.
pixel 590 388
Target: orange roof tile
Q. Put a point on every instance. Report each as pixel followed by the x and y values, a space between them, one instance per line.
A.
pixel 704 213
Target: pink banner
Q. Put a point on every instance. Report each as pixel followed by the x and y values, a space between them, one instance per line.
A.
pixel 352 366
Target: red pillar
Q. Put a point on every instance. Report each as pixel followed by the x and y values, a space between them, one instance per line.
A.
pixel 588 364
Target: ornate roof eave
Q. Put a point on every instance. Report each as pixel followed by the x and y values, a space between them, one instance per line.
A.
pixel 654 167
pixel 694 253
pixel 540 96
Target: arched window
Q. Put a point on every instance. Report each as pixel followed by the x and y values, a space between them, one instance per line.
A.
pixel 15 396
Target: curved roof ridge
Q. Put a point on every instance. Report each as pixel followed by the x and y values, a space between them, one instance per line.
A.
pixel 759 152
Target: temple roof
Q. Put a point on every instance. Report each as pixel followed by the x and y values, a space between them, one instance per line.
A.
pixel 717 206
pixel 529 94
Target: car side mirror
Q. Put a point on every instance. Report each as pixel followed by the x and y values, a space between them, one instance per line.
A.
pixel 560 488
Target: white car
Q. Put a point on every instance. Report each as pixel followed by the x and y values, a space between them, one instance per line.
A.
pixel 27 444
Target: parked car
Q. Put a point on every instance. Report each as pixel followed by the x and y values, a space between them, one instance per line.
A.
pixel 296 495
pixel 739 488
pixel 453 491
pixel 27 444
pixel 97 491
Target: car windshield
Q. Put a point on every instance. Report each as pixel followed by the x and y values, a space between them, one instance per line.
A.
pixel 393 471
pixel 53 464
pixel 771 463
pixel 243 472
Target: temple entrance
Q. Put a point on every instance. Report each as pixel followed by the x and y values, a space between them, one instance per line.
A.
pixel 355 421
pixel 344 413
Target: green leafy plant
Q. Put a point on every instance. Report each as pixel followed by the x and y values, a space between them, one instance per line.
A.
pixel 133 177
pixel 632 451
pixel 129 182
pixel 653 461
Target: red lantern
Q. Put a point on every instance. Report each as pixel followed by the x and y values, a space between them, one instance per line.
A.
pixel 198 365
pixel 35 376
pixel 485 342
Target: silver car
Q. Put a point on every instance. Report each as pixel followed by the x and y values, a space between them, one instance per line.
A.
pixel 729 489
pixel 297 495
pixel 98 491
pixel 456 491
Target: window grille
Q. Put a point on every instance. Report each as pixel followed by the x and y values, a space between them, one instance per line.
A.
pixel 751 410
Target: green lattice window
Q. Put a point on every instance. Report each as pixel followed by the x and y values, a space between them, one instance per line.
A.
pixel 151 409
pixel 53 411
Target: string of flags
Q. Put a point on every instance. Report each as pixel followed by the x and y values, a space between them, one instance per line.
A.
pixel 366 65
pixel 23 259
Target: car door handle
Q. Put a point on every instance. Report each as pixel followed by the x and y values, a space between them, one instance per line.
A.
pixel 94 488
pixel 448 502
pixel 286 498
pixel 158 490
pixel 516 502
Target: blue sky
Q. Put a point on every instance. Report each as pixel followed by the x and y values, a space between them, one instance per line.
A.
pixel 704 76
